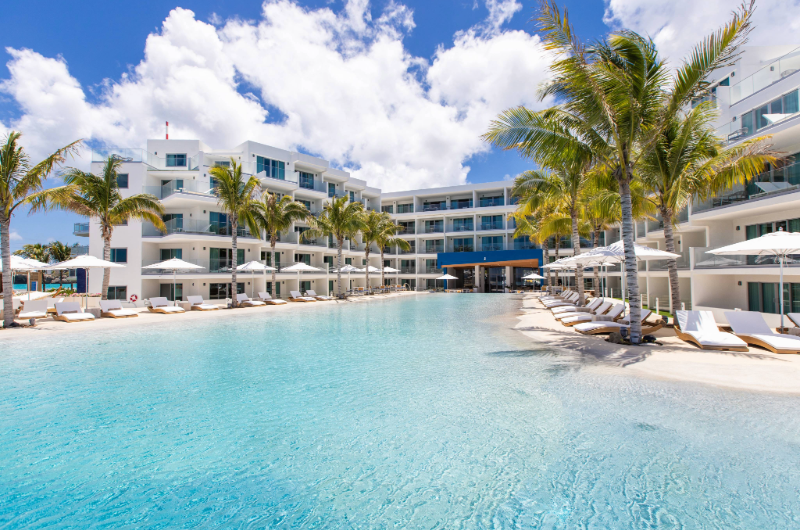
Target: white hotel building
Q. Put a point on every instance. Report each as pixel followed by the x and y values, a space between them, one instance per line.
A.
pixel 465 228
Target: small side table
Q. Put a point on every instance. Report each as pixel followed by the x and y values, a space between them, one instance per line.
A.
pixel 93 310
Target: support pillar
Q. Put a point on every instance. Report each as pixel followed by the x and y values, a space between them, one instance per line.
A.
pixel 509 278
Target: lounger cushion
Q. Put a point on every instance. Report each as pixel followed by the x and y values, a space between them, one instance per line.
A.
pixel 716 339
pixel 122 312
pixel 580 317
pixel 594 326
pixel 77 316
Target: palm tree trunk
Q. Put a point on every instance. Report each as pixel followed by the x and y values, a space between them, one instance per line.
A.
pixel 383 281
pixel 576 250
pixel 631 270
pixel 272 250
pixel 339 244
pixel 546 256
pixel 234 244
pixel 596 243
pixel 8 275
pixel 106 271
pixel 672 265
pixel 366 267
pixel 555 271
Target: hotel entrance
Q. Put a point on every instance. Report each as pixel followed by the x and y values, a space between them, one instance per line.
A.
pixel 495 279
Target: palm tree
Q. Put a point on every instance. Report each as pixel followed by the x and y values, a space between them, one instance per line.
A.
pixel 274 215
pixel 687 161
pixel 387 238
pixel 236 196
pixel 617 97
pixel 371 233
pixel 528 226
pixel 19 180
pixel 38 252
pixel 340 219
pixel 98 197
pixel 60 252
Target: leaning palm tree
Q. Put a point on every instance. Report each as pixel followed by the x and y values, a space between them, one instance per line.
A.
pixel 617 96
pixel 236 195
pixel 340 219
pixel 387 238
pixel 60 252
pixel 98 197
pixel 274 215
pixel 688 160
pixel 19 180
pixel 371 233
pixel 38 252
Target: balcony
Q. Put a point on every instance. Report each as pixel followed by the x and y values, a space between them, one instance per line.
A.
pixel 81 229
pixel 494 225
pixel 434 249
pixel 703 259
pixel 220 266
pixel 406 230
pixel 79 250
pixel 682 262
pixel 486 202
pixel 434 207
pixel 433 270
pixel 180 186
pixel 192 226
pixel 776 181
pixel 770 74
pixel 463 248
pixel 526 244
pixel 408 270
pixel 433 229
pixel 460 204
pixel 491 247
pixel 413 250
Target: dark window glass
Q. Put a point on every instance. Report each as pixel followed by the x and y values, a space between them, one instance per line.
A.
pixel 221 291
pixel 119 255
pixel 117 293
pixel 331 189
pixel 769 298
pixel 761 121
pixel 306 180
pixel 165 290
pixel 747 123
pixel 176 160
pixel 169 253
pixel 790 103
pixel 122 180
pixel 751 231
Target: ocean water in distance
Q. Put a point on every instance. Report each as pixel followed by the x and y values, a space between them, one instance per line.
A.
pixel 421 412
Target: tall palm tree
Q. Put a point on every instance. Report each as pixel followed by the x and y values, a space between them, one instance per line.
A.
pixel 387 237
pixel 274 215
pixel 60 252
pixel 98 197
pixel 19 180
pixel 38 252
pixel 529 226
pixel 617 96
pixel 236 195
pixel 340 219
pixel 689 160
pixel 371 233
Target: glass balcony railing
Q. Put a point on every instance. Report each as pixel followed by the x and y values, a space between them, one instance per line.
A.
pixel 462 228
pixel 434 249
pixel 779 69
pixel 460 204
pixel 486 202
pixel 222 266
pixel 180 186
pixel 434 207
pixel 777 181
pixel 79 250
pixel 682 262
pixel 491 247
pixel 433 270
pixel 525 245
pixel 703 259
pixel 463 248
pixel 494 225
pixel 192 226
pixel 413 250
pixel 408 270
pixel 80 229
pixel 433 229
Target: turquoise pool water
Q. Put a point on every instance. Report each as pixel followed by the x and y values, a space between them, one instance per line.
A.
pixel 424 412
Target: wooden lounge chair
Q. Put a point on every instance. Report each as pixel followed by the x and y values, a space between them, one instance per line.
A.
pixel 51 304
pixel 572 308
pixel 751 327
pixel 113 309
pixel 585 313
pixel 243 300
pixel 312 294
pixel 71 312
pixel 33 309
pixel 198 304
pixel 294 296
pixel 700 328
pixel 267 299
pixel 601 325
pixel 160 304
pixel 581 317
pixel 795 318
pixel 572 300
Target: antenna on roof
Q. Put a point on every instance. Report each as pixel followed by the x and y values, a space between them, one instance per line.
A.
pixel 167 130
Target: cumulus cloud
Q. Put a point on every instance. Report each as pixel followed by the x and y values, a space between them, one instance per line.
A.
pixel 678 25
pixel 344 88
pixel 14 236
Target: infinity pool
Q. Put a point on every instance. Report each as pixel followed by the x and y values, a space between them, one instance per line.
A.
pixel 421 412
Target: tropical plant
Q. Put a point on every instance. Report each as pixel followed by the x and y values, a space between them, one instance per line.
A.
pixel 19 181
pixel 616 97
pixel 387 238
pixel 60 252
pixel 370 233
pixel 528 226
pixel 275 215
pixel 98 197
pixel 236 195
pixel 689 160
pixel 340 219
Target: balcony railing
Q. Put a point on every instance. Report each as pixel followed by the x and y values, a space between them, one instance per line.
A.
pixel 79 250
pixel 462 228
pixel 405 230
pixel 81 229
pixel 491 247
pixel 435 229
pixel 486 202
pixel 186 186
pixel 463 248
pixel 435 207
pixel 460 205
pixel 777 181
pixel 705 260
pixel 413 250
pixel 434 249
pixel 221 266
pixel 766 76
pixel 192 226
pixel 433 270
pixel 408 270
pixel 491 226
pixel 682 262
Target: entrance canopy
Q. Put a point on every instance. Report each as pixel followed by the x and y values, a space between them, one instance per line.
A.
pixel 497 258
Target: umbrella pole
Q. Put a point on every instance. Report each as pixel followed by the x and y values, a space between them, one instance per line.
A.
pixel 780 258
pixel 174 286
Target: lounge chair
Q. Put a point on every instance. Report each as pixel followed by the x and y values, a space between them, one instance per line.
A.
pixel 571 301
pixel 198 304
pixel 700 328
pixel 751 327
pixel 585 312
pixel 160 304
pixel 312 294
pixel 601 325
pixel 795 318
pixel 267 299
pixel 613 314
pixel 51 304
pixel 113 309
pixel 572 308
pixel 244 300
pixel 552 297
pixel 294 296
pixel 71 312
pixel 33 309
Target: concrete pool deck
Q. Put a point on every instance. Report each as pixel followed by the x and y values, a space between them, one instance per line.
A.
pixel 756 370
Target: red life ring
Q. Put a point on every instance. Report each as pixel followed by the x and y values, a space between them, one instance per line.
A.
pixel 134 298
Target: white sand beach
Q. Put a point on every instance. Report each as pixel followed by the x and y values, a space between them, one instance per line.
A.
pixel 756 370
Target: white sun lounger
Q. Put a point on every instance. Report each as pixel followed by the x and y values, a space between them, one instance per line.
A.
pixel 294 296
pixel 312 294
pixel 160 304
pixel 113 309
pixel 591 306
pixel 700 328
pixel 613 314
pixel 556 296
pixel 33 309
pixel 585 312
pixel 600 325
pixel 267 299
pixel 71 312
pixel 751 327
pixel 245 301
pixel 795 318
pixel 572 300
pixel 51 303
pixel 198 304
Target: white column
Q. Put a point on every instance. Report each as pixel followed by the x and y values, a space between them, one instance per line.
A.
pixel 509 279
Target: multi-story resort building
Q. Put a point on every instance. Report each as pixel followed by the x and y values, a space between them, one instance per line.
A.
pixel 464 230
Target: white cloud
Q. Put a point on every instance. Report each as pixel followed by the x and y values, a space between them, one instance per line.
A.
pixel 14 236
pixel 345 86
pixel 678 25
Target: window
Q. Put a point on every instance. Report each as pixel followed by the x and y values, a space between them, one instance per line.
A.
pixel 407 227
pixel 492 222
pixel 274 168
pixel 352 196
pixel 306 180
pixel 755 120
pixel 165 290
pixel 222 163
pixel 119 255
pixel 405 208
pixel 173 222
pixel 221 259
pixel 496 200
pixel 363 262
pixel 434 247
pixel 170 253
pixel 491 243
pixel 117 293
pixel 458 204
pixel 388 209
pixel 221 291
pixel 219 223
pixel 305 285
pixel 328 260
pixel 122 180
pixel 307 204
pixel 176 160
pixel 434 206
pixel 331 189
pixel 277 293
pixel 463 225
pixel 408 266
pixel 434 226
pixel 463 244
pixel 523 243
pixel 303 258
pixel 348 261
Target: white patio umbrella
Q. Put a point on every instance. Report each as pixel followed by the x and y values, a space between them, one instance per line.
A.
pixel 445 277
pixel 86 262
pixel 533 276
pixel 779 244
pixel 254 266
pixel 369 268
pixel 390 270
pixel 19 263
pixel 348 269
pixel 300 267
pixel 173 265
